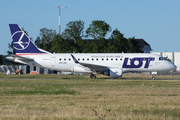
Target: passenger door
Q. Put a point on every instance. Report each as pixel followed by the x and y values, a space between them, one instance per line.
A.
pixel 53 61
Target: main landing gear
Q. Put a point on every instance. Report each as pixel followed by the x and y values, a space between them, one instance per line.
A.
pixel 93 76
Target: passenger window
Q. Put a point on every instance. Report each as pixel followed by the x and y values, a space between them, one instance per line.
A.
pixel 78 59
pixel 60 59
pixel 97 59
pixel 107 59
pixel 69 59
pixel 87 58
pixel 64 59
pixel 111 59
pixel 92 59
pixel 83 59
pixel 102 59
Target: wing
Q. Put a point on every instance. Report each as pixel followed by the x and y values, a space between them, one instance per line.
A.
pixel 93 67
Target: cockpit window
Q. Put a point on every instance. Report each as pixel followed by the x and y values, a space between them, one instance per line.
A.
pixel 162 58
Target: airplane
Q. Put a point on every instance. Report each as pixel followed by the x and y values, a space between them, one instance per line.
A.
pixel 110 64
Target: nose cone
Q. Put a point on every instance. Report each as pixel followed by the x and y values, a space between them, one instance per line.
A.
pixel 10 58
pixel 174 67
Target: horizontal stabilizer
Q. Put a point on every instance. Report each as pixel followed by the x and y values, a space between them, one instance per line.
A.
pixel 20 57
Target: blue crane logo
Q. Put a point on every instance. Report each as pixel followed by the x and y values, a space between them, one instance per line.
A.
pixel 20 40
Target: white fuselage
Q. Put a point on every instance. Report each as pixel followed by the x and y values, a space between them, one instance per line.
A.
pixel 128 62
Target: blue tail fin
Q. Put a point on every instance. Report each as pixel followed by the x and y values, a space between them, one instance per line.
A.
pixel 22 44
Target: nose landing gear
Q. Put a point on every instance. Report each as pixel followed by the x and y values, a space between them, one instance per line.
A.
pixel 153 77
pixel 93 76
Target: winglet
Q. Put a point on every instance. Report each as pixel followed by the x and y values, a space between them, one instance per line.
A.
pixel 75 60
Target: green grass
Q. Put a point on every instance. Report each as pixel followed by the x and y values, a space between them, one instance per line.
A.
pixel 73 97
pixel 42 92
pixel 30 87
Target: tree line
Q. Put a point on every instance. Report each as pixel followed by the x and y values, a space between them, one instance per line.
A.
pixel 74 40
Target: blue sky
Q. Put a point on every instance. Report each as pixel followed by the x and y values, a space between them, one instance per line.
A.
pixel 156 21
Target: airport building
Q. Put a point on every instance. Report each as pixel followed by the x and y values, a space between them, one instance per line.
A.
pixel 146 48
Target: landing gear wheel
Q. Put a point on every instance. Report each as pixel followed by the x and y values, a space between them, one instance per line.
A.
pixel 153 77
pixel 92 76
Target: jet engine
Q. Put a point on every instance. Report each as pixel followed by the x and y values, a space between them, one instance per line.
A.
pixel 113 72
pixel 81 69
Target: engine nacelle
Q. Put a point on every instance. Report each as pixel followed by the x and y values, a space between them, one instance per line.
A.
pixel 80 69
pixel 114 72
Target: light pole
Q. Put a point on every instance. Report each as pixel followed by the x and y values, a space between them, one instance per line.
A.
pixel 59 16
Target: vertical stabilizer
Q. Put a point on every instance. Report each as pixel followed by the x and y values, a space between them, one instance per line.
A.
pixel 22 44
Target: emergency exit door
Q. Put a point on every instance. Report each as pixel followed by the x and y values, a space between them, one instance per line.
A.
pixel 53 61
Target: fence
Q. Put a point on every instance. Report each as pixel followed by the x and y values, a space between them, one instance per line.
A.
pixel 5 68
